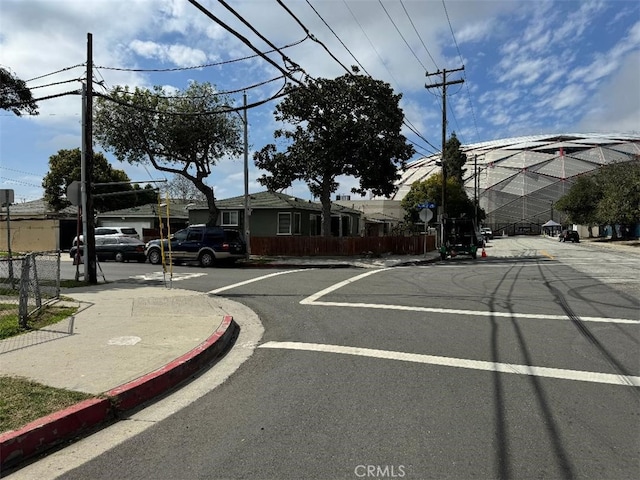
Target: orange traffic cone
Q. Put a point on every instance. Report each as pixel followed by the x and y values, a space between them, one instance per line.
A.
pixel 484 253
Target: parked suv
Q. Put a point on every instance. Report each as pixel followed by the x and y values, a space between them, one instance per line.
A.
pixel 569 236
pixel 200 243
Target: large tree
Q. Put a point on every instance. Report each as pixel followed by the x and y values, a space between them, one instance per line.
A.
pixel 65 168
pixel 181 188
pixel 611 196
pixel 580 203
pixel 455 159
pixel 14 95
pixel 344 126
pixel 620 202
pixel 184 133
pixel 430 190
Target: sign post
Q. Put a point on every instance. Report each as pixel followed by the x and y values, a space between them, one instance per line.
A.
pixel 426 214
pixel 6 197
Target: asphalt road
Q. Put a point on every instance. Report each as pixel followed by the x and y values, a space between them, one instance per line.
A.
pixel 519 365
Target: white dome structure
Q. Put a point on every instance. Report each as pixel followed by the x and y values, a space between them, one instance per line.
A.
pixel 519 179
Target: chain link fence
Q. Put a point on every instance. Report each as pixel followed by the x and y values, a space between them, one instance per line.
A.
pixel 27 282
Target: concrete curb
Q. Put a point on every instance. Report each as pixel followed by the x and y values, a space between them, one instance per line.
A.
pixel 47 432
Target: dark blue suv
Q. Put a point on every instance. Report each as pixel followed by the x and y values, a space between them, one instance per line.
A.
pixel 198 243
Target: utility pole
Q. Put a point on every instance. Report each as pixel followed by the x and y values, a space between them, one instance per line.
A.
pixel 247 211
pixel 444 85
pixel 90 239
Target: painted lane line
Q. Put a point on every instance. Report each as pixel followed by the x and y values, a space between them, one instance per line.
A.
pixel 322 293
pixel 257 279
pixel 314 300
pixel 577 375
pixel 479 313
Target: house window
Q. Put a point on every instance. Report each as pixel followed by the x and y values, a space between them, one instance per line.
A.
pixel 284 223
pixel 230 218
pixel 316 225
pixel 297 223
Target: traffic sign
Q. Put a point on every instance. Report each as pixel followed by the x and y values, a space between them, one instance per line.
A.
pixel 427 205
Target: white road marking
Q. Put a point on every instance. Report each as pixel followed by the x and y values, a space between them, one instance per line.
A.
pixel 239 284
pixel 577 375
pixel 314 300
pixel 167 276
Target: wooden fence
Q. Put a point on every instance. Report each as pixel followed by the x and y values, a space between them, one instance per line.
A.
pixel 344 246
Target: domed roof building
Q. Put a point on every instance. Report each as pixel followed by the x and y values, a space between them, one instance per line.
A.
pixel 519 179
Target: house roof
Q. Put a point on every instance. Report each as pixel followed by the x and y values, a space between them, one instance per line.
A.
pixel 40 209
pixel 176 210
pixel 268 200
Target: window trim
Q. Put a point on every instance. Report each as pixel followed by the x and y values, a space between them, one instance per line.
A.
pixel 231 214
pixel 279 214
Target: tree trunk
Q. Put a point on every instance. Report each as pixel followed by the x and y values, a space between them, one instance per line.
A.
pixel 207 191
pixel 325 200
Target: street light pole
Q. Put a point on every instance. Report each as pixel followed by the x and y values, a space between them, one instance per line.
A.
pixel 247 212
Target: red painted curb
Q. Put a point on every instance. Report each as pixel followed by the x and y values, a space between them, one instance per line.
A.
pixel 142 389
pixel 46 432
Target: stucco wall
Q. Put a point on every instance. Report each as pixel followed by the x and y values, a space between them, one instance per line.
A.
pixel 31 235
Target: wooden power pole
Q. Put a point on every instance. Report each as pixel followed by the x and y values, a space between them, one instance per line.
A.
pixel 90 239
pixel 444 85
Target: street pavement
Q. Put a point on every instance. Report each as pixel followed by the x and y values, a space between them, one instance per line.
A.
pixel 129 344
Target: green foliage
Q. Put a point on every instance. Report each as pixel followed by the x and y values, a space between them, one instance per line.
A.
pixel 581 202
pixel 620 203
pixel 611 196
pixel 65 168
pixel 430 190
pixel 350 126
pixel 15 96
pixel 184 132
pixel 454 159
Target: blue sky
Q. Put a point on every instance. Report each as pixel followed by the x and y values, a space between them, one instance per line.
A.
pixel 531 67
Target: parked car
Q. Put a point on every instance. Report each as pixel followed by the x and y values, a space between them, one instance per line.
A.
pixel 200 243
pixel 113 231
pixel 569 236
pixel 118 248
pixel 487 233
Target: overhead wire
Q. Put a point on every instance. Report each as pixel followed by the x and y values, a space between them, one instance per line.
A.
pixel 473 114
pixel 311 36
pixel 337 37
pixel 401 35
pixel 418 34
pixel 204 65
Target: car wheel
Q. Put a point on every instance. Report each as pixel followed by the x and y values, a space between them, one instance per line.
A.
pixel 206 259
pixel 119 257
pixel 154 256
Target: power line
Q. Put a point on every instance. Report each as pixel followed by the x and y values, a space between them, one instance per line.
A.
pixel 311 36
pixel 417 33
pixel 243 39
pixel 194 114
pixel 205 65
pixel 58 71
pixel 473 113
pixel 401 35
pixel 338 38
pixel 48 97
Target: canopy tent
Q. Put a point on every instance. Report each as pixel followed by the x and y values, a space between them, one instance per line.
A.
pixel 551 224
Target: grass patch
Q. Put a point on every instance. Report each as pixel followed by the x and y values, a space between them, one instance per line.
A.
pixel 48 315
pixel 23 401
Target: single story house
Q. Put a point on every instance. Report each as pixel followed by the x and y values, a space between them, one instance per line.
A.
pixel 275 214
